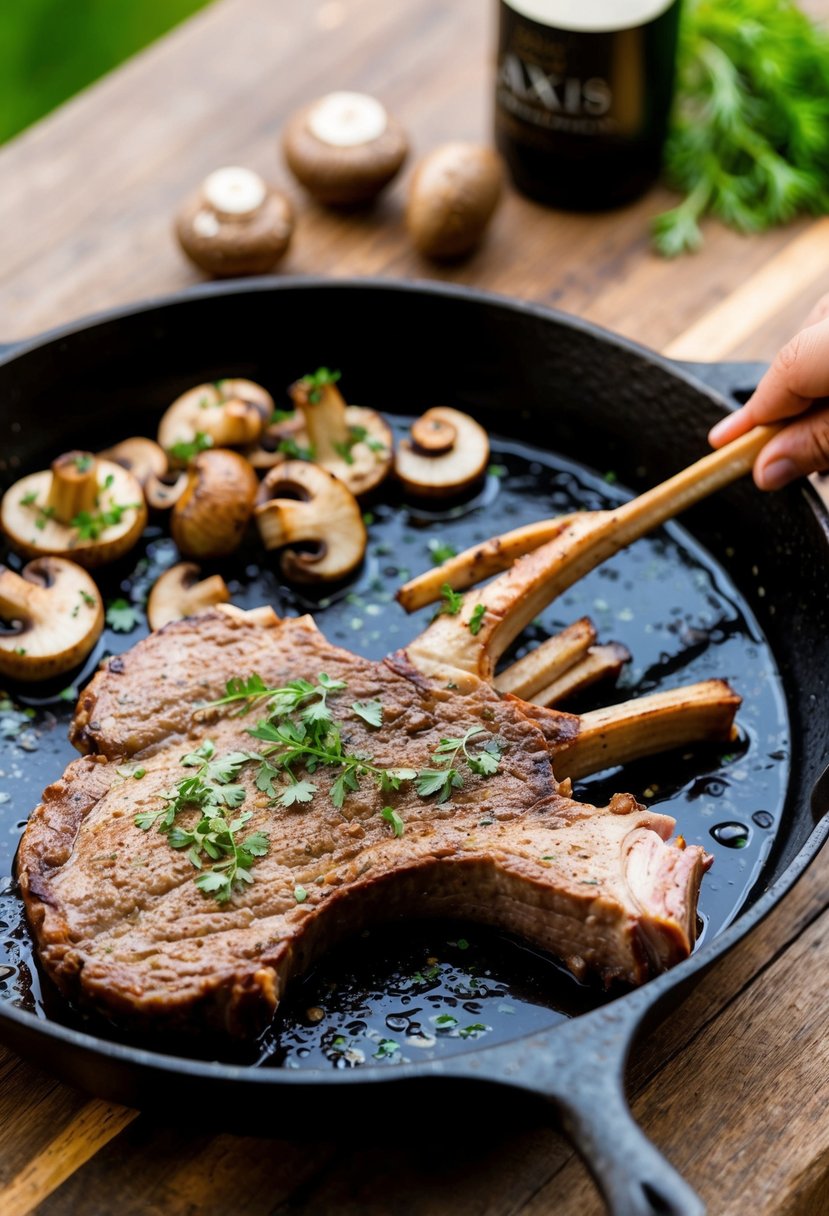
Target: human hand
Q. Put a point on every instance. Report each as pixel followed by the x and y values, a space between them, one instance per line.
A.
pixel 795 386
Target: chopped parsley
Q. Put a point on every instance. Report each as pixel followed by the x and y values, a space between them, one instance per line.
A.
pixel 185 449
pixel 475 622
pixel 441 552
pixel 122 616
pixel 89 525
pixel 452 601
pixel 391 816
pixel 317 381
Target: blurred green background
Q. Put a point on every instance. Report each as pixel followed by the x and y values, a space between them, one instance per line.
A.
pixel 49 49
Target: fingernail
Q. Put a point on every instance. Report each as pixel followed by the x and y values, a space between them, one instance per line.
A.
pixel 721 431
pixel 777 474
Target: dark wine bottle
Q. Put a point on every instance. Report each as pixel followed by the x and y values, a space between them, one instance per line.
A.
pixel 583 96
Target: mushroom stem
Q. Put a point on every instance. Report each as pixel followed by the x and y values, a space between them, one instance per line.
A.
pixel 18 597
pixel 74 486
pixel 618 734
pixel 542 666
pixel 323 409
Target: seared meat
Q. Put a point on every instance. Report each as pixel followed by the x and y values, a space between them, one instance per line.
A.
pixel 122 928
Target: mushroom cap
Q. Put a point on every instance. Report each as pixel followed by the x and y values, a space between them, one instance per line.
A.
pixel 142 457
pixel 229 413
pixel 444 473
pixel 302 503
pixel 235 224
pixel 32 533
pixel 60 615
pixel 162 493
pixel 452 196
pixel 210 517
pixel 344 173
pixel 179 593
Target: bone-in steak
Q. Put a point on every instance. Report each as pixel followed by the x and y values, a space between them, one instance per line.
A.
pixel 122 928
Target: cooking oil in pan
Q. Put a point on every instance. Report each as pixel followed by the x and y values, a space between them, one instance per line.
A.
pixel 381 998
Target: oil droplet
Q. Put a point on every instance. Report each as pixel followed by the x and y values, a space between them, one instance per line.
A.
pixel 733 835
pixel 763 819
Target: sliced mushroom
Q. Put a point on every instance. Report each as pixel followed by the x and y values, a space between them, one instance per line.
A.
pixel 179 593
pixel 225 414
pixel 344 148
pixel 52 616
pixel 89 509
pixel 210 516
pixel 350 441
pixel 448 454
pixel 139 456
pixel 453 195
pixel 235 224
pixel 302 504
pixel 162 493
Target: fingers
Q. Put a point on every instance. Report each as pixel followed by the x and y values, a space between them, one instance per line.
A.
pixel 798 375
pixel 800 449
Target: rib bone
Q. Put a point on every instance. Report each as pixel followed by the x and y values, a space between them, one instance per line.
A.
pixel 619 734
pixel 548 661
pixel 599 663
pixel 448 646
pixel 480 562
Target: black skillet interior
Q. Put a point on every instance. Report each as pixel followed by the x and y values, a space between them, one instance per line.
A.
pixel 750 605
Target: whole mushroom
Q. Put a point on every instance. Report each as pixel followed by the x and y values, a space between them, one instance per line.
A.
pixel 89 509
pixel 51 615
pixel 447 454
pixel 344 148
pixel 235 224
pixel 227 413
pixel 452 197
pixel 302 504
pixel 210 516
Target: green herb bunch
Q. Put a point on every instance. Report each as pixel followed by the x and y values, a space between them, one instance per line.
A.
pixel 750 134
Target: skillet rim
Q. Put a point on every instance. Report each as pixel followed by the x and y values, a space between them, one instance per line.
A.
pixel 631 1008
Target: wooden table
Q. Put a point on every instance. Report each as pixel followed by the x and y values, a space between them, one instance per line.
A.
pixel 736 1087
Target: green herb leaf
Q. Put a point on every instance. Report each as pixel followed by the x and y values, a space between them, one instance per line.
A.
pixel 477 619
pixel 391 816
pixel 316 381
pixel 370 711
pixel 452 601
pixel 298 791
pixel 300 895
pixel 441 552
pixel 122 616
pixel 186 450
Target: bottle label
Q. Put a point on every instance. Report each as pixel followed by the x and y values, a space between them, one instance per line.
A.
pixel 580 67
pixel 590 16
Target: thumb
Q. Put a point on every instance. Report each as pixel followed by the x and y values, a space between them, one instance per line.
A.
pixel 800 449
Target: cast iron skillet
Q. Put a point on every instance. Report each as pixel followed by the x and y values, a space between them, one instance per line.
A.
pixel 535 376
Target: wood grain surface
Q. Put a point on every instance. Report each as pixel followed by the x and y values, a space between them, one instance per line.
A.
pixel 735 1088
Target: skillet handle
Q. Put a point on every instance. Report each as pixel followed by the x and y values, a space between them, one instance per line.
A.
pixel 578 1070
pixel 734 381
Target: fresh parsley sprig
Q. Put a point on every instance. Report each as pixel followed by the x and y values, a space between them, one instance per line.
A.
pixel 446 777
pixel 212 790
